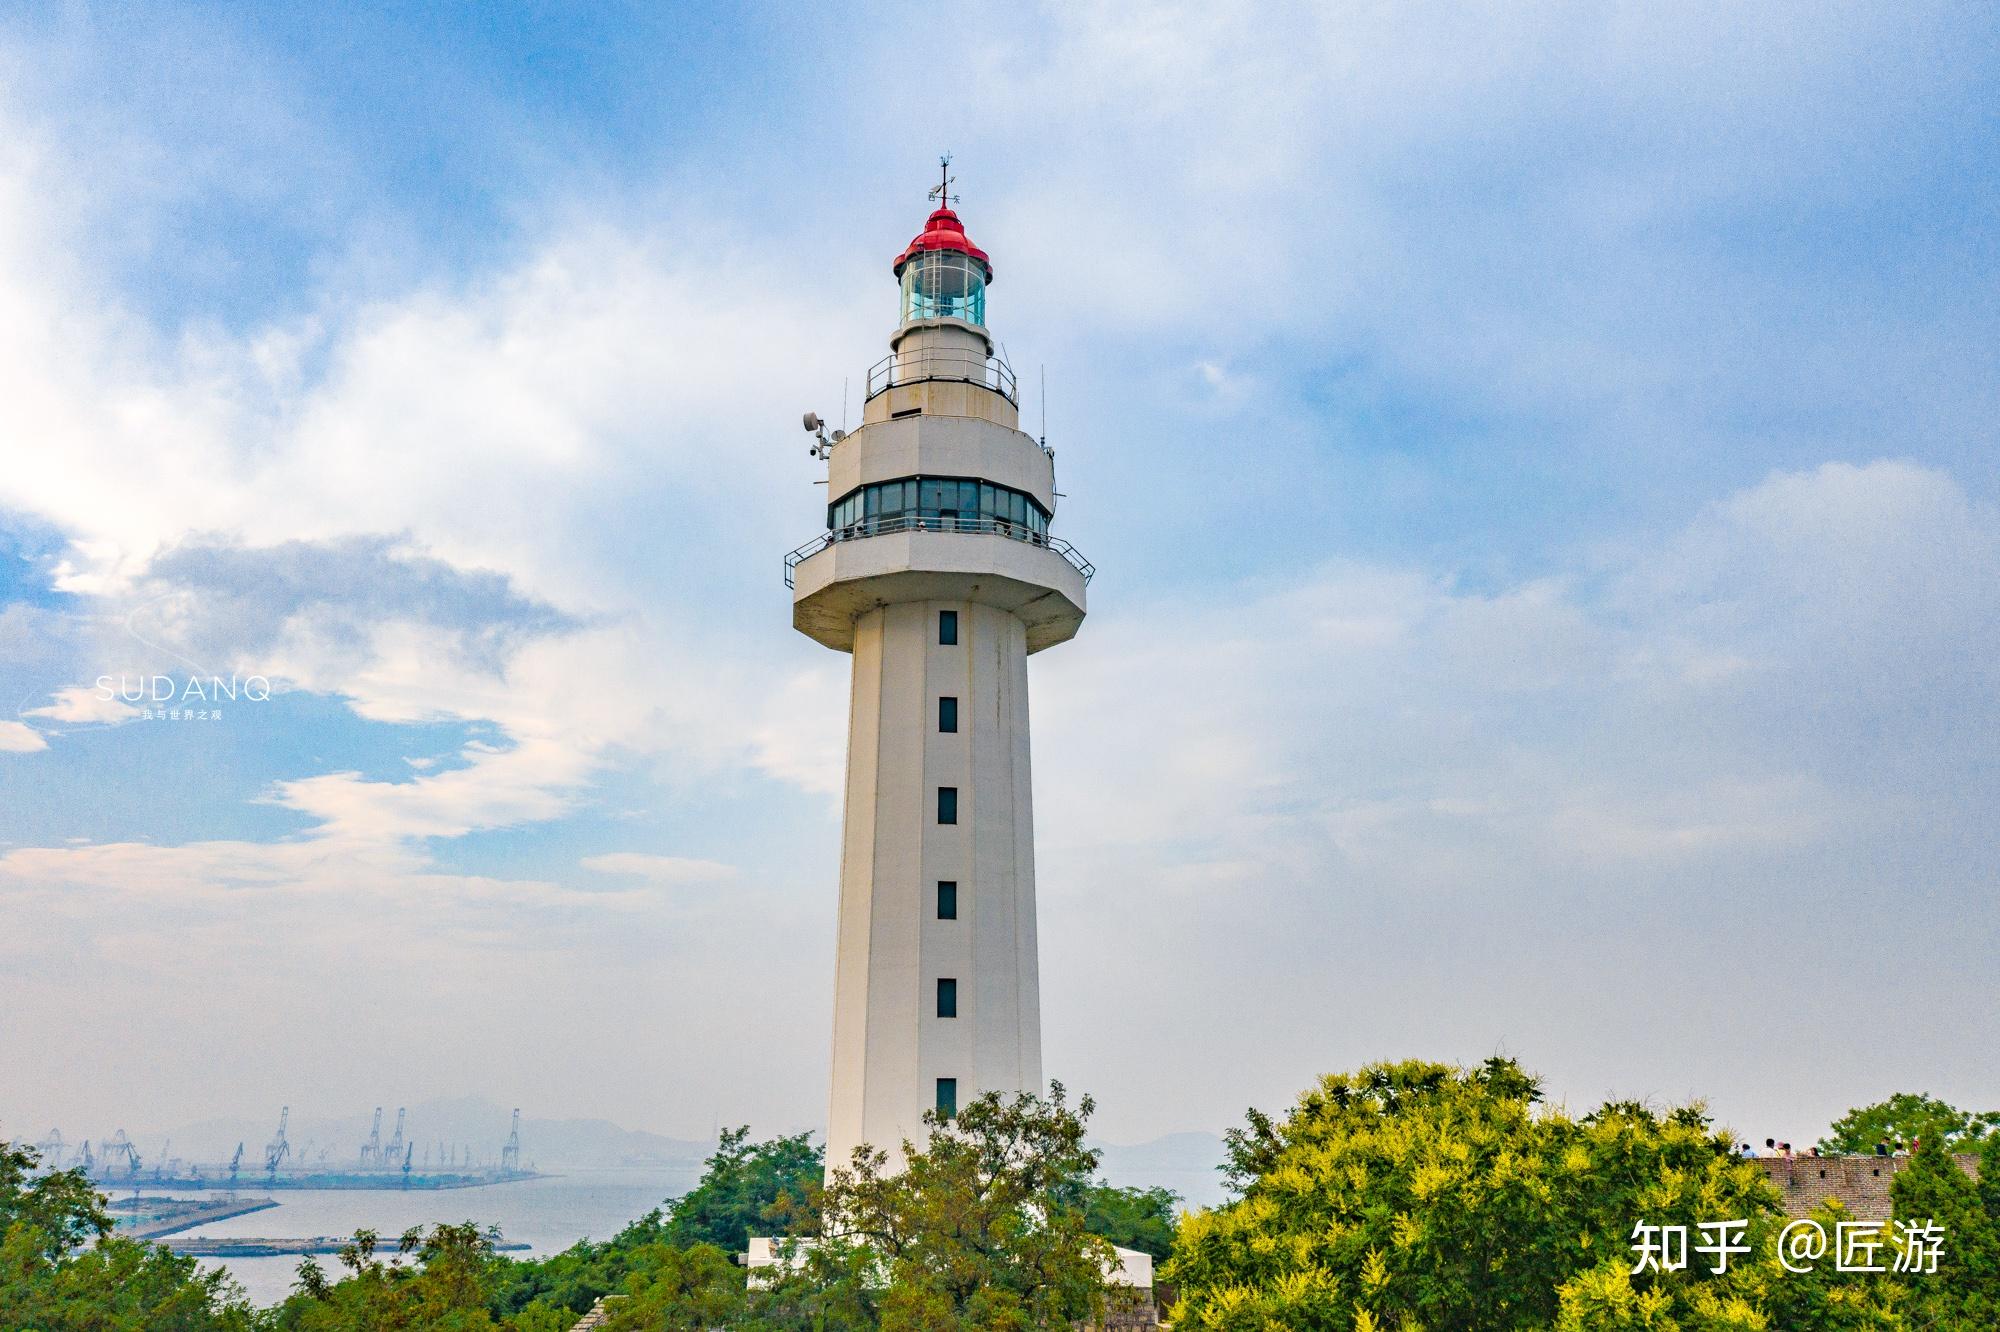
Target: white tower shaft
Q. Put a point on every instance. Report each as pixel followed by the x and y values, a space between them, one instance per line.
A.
pixel 924 902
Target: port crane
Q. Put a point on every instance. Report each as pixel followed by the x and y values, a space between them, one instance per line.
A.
pixel 235 1163
pixel 510 1155
pixel 277 1149
pixel 120 1148
pixel 408 1152
pixel 371 1150
pixel 84 1160
pixel 395 1148
pixel 51 1150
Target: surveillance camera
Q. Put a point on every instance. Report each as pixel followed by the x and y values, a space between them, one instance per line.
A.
pixel 813 422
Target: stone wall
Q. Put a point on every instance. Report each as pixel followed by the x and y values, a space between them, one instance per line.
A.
pixel 597 1315
pixel 1861 1183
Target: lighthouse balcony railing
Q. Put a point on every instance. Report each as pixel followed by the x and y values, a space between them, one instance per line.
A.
pixel 916 367
pixel 893 523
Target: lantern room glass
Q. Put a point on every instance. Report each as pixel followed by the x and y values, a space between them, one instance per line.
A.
pixel 944 284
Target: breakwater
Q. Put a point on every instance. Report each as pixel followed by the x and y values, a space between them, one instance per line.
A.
pixel 151 1218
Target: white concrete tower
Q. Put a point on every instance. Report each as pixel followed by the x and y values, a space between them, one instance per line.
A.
pixel 938 573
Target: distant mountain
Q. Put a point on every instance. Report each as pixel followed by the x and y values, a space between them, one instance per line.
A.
pixel 444 1129
pixel 1184 1162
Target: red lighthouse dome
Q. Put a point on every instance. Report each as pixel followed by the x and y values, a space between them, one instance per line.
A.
pixel 944 232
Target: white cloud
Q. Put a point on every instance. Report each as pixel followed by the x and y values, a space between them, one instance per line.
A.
pixel 437 524
pixel 20 738
pixel 1556 719
pixel 1352 812
pixel 88 705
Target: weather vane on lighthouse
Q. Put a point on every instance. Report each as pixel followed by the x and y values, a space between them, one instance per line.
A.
pixel 943 193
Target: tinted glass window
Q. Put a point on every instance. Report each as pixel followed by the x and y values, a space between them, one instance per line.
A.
pixel 947 997
pixel 947 503
pixel 947 899
pixel 947 804
pixel 948 628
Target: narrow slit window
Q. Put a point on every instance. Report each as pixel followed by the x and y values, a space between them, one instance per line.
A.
pixel 947 899
pixel 947 1097
pixel 947 804
pixel 948 628
pixel 947 997
pixel 947 714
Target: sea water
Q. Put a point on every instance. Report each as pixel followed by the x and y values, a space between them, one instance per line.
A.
pixel 547 1214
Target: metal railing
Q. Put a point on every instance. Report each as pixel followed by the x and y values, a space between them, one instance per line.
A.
pixel 913 523
pixel 946 364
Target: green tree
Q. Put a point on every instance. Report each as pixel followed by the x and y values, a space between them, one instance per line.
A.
pixel 63 1208
pixel 437 1281
pixel 1757 1296
pixel 1964 1293
pixel 63 1269
pixel 749 1188
pixel 1908 1117
pixel 984 1227
pixel 1424 1195
pixel 693 1288
pixel 659 1280
pixel 1141 1219
pixel 573 1280
pixel 1989 1179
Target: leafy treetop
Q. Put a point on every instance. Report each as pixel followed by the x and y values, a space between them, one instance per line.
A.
pixel 62 1269
pixel 1425 1195
pixel 1905 1118
pixel 983 1227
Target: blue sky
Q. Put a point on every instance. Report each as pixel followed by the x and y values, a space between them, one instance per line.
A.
pixel 1539 465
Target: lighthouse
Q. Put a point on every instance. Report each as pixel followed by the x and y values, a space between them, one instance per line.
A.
pixel 939 572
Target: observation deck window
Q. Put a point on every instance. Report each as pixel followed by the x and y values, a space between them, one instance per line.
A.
pixel 936 503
